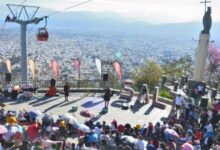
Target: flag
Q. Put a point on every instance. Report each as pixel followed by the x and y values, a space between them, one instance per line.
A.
pixel 8 65
pixel 118 70
pixel 76 64
pixel 55 68
pixel 98 65
pixel 118 55
pixel 32 67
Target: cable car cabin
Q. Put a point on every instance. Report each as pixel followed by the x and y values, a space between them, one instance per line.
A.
pixel 42 34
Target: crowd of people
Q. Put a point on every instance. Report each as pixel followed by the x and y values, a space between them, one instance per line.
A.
pixel 188 127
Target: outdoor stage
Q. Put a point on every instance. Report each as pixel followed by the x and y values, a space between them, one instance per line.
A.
pixel 93 102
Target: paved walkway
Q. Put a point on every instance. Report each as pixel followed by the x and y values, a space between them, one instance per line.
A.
pixel 57 106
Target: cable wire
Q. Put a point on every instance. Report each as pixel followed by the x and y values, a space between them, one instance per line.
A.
pixel 2 30
pixel 60 11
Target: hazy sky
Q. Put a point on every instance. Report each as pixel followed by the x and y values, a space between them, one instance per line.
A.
pixel 153 11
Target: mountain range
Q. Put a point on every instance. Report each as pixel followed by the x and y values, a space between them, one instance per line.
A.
pixel 108 23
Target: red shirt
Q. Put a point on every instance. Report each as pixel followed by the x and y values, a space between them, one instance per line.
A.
pixel 32 130
pixel 198 135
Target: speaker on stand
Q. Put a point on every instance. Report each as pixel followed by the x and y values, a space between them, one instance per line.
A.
pixel 8 77
pixel 105 79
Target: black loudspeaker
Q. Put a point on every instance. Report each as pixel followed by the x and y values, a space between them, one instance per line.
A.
pixel 105 77
pixel 204 102
pixel 8 77
pixel 53 82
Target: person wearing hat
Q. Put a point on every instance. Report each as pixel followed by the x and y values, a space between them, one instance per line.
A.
pixel 62 130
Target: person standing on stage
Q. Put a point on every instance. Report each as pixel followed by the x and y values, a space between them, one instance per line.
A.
pixel 107 96
pixel 179 101
pixel 66 91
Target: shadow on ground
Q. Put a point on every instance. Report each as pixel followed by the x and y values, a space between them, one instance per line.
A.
pixel 39 100
pixel 91 104
pixel 136 107
pixel 118 103
pixel 45 102
pixel 70 102
pixel 53 106
pixel 149 110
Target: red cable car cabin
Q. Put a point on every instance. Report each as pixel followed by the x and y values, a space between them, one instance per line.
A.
pixel 42 34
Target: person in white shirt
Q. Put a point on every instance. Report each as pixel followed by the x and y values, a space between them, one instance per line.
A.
pixel 200 89
pixel 178 101
pixel 140 143
pixel 10 88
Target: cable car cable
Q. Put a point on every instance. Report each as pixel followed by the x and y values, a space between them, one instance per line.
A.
pixel 60 11
pixel 2 29
pixel 20 5
pixel 42 32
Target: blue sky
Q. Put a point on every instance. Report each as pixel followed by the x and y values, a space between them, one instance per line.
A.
pixel 153 11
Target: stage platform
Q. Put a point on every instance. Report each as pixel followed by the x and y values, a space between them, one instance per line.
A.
pixel 138 113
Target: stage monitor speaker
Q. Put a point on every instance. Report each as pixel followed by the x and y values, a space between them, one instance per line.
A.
pixel 8 77
pixel 204 102
pixel 105 77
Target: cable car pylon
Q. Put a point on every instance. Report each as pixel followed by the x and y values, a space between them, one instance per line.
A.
pixel 23 18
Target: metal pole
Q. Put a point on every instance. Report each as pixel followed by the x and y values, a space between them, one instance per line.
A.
pixel 24 75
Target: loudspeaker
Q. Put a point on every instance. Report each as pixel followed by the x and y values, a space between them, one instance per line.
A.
pixel 105 77
pixel 204 102
pixel 53 82
pixel 8 77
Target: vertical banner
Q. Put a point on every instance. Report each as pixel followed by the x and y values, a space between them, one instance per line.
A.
pixel 8 65
pixel 32 67
pixel 118 70
pixel 76 64
pixel 99 65
pixel 55 68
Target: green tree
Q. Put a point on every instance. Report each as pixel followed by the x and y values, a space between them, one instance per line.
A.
pixel 213 71
pixel 150 74
pixel 177 67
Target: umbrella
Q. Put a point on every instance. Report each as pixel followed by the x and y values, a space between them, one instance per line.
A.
pixel 3 129
pixel 34 113
pixel 187 146
pixel 121 128
pixel 127 126
pixel 47 119
pixel 171 134
pixel 87 113
pixel 93 137
pixel 82 127
pixel 130 141
pixel 68 118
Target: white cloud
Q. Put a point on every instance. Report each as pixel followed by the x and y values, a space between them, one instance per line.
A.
pixel 158 11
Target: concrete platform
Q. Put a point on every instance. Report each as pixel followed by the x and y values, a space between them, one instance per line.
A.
pixel 139 113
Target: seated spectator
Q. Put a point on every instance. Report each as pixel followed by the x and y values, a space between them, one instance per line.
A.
pixel 140 143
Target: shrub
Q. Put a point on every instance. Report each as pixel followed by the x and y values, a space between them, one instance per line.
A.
pixel 165 93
